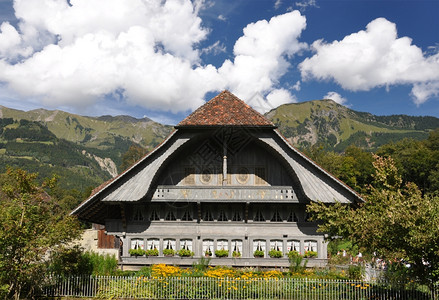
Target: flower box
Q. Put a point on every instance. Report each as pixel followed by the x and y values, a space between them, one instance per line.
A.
pixel 310 254
pixel 275 253
pixel 152 252
pixel 168 252
pixel 221 253
pixel 258 253
pixel 136 252
pixel 185 253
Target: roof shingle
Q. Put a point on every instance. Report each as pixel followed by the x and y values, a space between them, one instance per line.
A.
pixel 225 110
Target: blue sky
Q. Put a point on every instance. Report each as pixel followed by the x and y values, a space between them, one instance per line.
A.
pixel 163 59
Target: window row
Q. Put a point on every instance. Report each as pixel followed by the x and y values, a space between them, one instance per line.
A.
pixel 221 215
pixel 226 248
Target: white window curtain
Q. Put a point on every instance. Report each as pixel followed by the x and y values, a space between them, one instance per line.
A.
pixel 276 245
pixel 259 245
pixel 311 246
pixel 222 245
pixel 293 245
pixel 137 244
pixel 152 244
pixel 169 244
pixel 208 246
pixel 186 244
pixel 237 246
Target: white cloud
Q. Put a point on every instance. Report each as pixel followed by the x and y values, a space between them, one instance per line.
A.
pixel 261 54
pixel 373 58
pixel 421 92
pixel 303 5
pixel 335 97
pixel 145 52
pixel 297 86
pixel 81 53
pixel 277 4
pixel 10 42
pixel 216 48
pixel 280 96
pixel 222 18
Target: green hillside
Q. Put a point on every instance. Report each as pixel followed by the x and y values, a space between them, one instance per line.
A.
pixel 31 146
pixel 85 151
pixel 336 127
pixel 106 136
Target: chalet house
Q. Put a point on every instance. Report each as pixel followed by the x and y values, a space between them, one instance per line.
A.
pixel 224 179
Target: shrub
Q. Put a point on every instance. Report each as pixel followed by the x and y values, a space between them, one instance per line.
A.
pixel 152 252
pixel 207 253
pixel 355 272
pixel 102 264
pixel 70 261
pixel 236 254
pixel 292 254
pixel 258 253
pixel 221 253
pixel 201 265
pixel 296 264
pixel 137 252
pixel 168 252
pixel 310 254
pixel 185 253
pixel 275 253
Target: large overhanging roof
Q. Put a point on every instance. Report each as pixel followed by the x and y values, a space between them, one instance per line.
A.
pixel 135 183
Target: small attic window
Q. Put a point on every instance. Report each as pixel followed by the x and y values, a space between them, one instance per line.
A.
pixel 222 216
pixel 259 217
pixel 276 217
pixel 186 216
pixel 292 217
pixel 154 216
pixel 236 217
pixel 170 216
pixel 208 216
pixel 138 216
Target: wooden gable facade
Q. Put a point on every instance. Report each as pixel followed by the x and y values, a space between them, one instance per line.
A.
pixel 225 179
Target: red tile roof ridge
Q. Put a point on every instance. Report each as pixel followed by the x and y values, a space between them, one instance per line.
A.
pixel 225 109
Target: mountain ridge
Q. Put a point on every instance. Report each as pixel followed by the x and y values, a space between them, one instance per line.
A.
pixel 94 146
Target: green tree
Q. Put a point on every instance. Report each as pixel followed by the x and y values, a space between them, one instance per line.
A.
pixel 31 226
pixel 416 160
pixel 354 167
pixel 133 154
pixel 396 222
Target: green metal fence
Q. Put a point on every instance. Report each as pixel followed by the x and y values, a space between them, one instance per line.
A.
pixel 111 287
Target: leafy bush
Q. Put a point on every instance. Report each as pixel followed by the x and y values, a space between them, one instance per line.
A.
pixel 152 252
pixel 137 252
pixel 310 254
pixel 221 253
pixel 296 265
pixel 258 253
pixel 201 265
pixel 102 264
pixel 275 253
pixel 292 254
pixel 355 272
pixel 185 253
pixel 168 252
pixel 70 261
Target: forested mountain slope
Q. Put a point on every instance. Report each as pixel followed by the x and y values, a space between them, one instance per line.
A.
pixel 336 127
